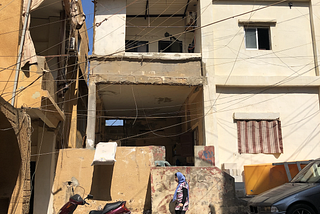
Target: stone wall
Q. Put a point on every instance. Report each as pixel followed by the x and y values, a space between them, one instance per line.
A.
pixel 211 190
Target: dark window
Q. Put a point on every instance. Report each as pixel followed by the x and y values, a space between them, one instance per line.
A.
pixel 170 46
pixel 137 46
pixel 257 38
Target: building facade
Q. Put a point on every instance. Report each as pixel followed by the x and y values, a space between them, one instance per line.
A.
pixel 43 60
pixel 239 76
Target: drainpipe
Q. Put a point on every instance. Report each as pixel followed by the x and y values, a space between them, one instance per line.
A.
pixel 20 52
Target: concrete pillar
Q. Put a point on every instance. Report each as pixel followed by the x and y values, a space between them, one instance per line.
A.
pixel 91 118
pixel 44 174
pixel 209 88
pixel 315 32
pixel 72 142
pixel 110 20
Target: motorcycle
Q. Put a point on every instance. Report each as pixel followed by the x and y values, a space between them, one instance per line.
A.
pixel 110 208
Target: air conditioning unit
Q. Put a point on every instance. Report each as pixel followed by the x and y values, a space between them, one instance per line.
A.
pixel 191 19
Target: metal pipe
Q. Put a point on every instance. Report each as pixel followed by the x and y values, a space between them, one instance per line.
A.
pixel 20 53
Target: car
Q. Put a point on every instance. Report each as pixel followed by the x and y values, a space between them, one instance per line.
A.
pixel 300 196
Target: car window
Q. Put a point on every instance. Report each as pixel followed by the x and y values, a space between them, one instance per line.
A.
pixel 309 174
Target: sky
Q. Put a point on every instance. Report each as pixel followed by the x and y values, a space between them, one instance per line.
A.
pixel 88 8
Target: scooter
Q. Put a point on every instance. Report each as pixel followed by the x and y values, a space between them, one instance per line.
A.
pixel 110 208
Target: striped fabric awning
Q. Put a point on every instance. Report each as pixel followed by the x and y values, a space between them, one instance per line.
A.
pixel 261 136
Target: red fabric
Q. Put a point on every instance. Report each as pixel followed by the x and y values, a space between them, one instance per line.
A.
pixel 259 136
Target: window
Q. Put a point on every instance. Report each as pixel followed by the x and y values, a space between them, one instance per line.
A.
pixel 257 38
pixel 137 46
pixel 116 122
pixel 173 46
pixel 259 136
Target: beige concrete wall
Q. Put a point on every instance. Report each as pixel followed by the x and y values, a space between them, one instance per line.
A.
pixel 291 52
pixel 299 116
pixel 211 190
pixel 127 179
pixel 10 21
pixel 109 37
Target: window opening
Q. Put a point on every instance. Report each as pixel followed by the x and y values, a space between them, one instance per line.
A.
pixel 174 46
pixel 257 38
pixel 114 122
pixel 137 46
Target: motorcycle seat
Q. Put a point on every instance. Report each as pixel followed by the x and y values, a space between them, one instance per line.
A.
pixel 111 206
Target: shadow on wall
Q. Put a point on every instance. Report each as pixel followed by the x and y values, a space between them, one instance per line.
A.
pixel 147 203
pixel 10 164
pixel 171 207
pixel 231 204
pixel 212 209
pixel 101 182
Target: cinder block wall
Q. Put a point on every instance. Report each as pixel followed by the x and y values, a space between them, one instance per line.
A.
pixel 211 190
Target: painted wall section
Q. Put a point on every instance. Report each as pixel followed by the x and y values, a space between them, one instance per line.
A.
pixel 204 156
pixel 127 179
pixel 298 115
pixel 290 40
pixel 211 190
pixel 9 35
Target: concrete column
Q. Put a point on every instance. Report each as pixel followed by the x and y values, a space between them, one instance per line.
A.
pixel 91 120
pixel 315 32
pixel 209 88
pixel 44 174
pixel 110 27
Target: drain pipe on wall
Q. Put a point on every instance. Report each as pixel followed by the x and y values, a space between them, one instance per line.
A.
pixel 20 52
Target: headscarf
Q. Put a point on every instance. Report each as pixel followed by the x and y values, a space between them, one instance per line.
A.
pixel 181 179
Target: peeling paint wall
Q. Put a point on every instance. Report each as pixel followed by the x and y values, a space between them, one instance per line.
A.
pixel 211 190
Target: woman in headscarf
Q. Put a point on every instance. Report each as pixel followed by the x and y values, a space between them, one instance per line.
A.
pixel 181 195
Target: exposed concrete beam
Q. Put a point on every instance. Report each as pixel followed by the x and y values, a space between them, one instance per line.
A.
pixel 137 79
pixel 150 56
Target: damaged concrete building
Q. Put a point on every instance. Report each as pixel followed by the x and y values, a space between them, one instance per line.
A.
pixel 153 90
pixel 186 74
pixel 43 60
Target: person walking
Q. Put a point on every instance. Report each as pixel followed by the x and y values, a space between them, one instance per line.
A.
pixel 181 195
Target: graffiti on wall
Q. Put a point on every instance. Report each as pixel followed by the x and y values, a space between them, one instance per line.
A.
pixel 207 155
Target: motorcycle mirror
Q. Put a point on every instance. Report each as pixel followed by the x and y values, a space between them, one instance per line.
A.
pixel 90 196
